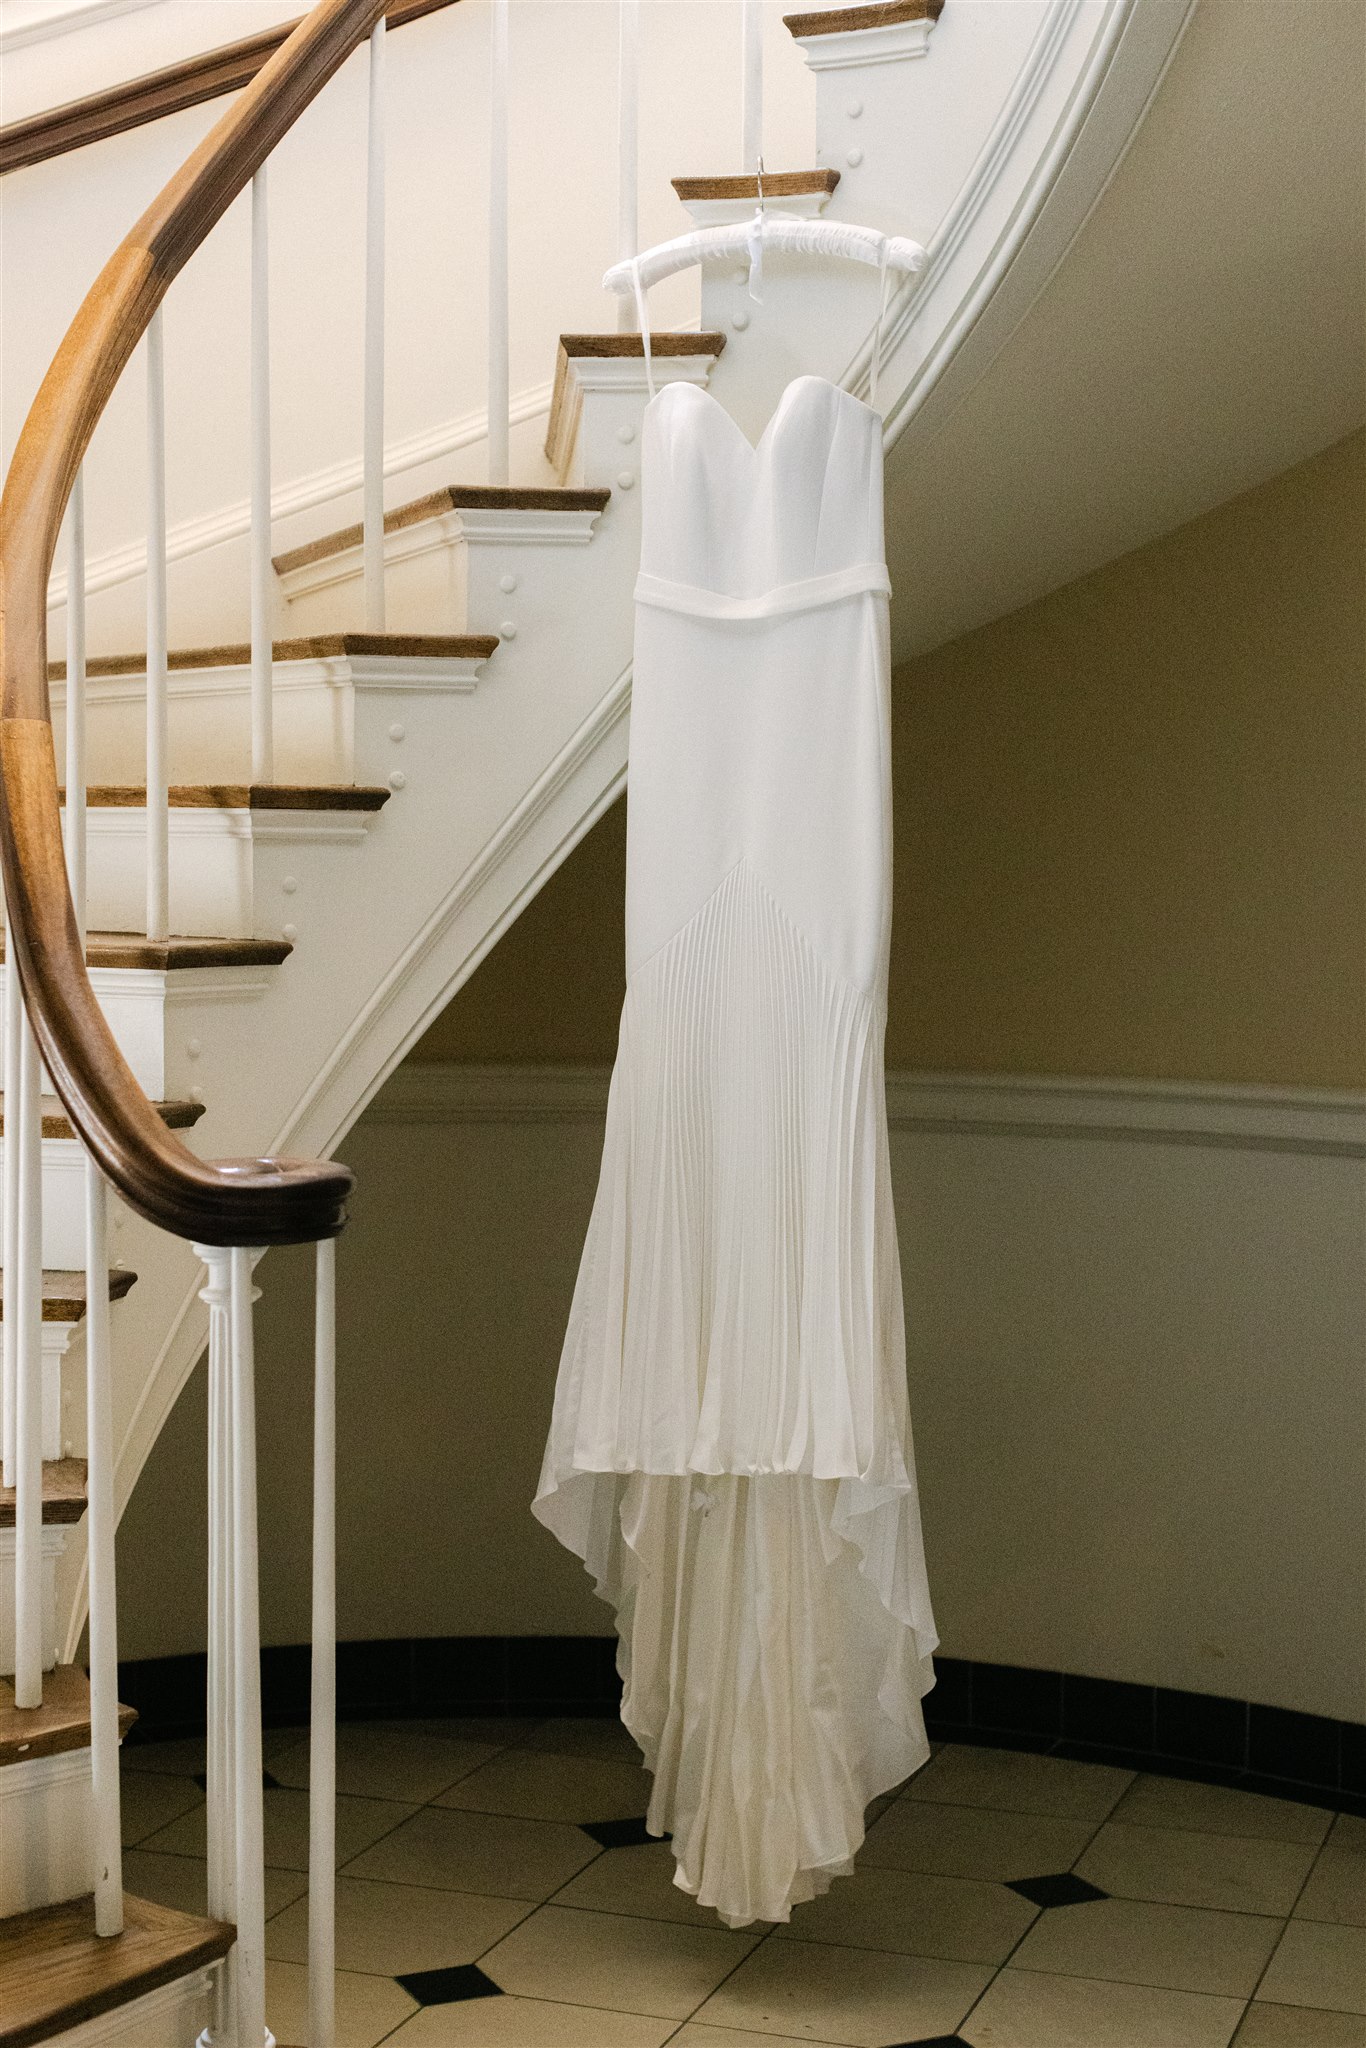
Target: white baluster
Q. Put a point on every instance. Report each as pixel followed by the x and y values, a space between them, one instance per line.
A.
pixel 220 1782
pixel 262 574
pixel 28 1404
pixel 499 398
pixel 372 515
pixel 158 812
pixel 250 1951
pixel 322 1794
pixel 75 701
pixel 104 1656
pixel 752 83
pixel 628 143
pixel 9 1273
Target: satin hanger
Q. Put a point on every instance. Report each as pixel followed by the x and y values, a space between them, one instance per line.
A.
pixel 841 240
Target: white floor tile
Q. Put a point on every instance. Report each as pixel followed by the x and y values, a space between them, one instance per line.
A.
pixel 182 1881
pixel 391 1762
pixel 150 1803
pixel 810 1992
pixel 1318 1965
pixel 965 1841
pixel 529 2023
pixel 478 1852
pixel 638 1881
pixel 391 1929
pixel 1016 1781
pixel 536 1786
pixel 607 1959
pixel 1337 1884
pixel 1026 2010
pixel 359 1823
pixel 1221 1810
pixel 1295 2026
pixel 957 1919
pixel 1236 1873
pixel 1130 1941
pixel 368 2008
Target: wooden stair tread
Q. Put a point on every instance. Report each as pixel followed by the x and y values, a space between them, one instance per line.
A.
pixel 64 1292
pixel 55 1971
pixel 602 347
pixel 64 1497
pixel 240 796
pixel 177 1116
pixel 841 20
pixel 313 647
pixel 128 949
pixel 450 498
pixel 61 1723
pixel 777 185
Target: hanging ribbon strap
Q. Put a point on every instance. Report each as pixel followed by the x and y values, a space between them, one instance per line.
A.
pixel 876 364
pixel 642 314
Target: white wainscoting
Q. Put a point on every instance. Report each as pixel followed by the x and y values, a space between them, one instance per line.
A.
pixel 1136 1329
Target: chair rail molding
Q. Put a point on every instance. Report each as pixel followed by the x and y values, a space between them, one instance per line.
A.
pixel 1262 1118
pixel 23 22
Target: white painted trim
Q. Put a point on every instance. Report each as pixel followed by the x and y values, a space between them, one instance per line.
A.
pixel 505 527
pixel 150 2020
pixel 321 487
pixel 47 19
pixel 845 48
pixel 353 671
pixel 1304 1120
pixel 33 1775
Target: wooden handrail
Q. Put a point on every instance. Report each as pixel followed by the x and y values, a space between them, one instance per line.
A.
pixel 136 101
pixel 244 1202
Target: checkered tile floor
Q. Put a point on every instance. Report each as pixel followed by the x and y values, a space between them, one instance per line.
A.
pixel 497 1890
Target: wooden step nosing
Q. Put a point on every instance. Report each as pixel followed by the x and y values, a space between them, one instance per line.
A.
pixel 451 498
pixel 240 796
pixel 831 21
pixel 777 185
pixel 121 951
pixel 55 1950
pixel 308 648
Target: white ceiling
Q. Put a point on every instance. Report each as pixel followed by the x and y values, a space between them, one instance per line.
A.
pixel 1206 330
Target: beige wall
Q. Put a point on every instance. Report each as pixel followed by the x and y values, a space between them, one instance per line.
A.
pixel 1130 842
pixel 1129 827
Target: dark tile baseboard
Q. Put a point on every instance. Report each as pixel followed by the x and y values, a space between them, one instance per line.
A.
pixel 1144 1727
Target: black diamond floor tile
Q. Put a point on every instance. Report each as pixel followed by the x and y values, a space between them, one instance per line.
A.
pixel 1062 1888
pixel 619 1834
pixel 449 1987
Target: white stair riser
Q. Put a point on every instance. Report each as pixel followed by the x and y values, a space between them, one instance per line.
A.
pixel 425 589
pixel 172 2017
pixel 209 715
pixel 230 870
pixel 598 439
pixel 44 1832
pixel 54 1542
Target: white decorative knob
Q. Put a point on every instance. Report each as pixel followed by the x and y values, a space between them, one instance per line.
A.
pixel 397 732
pixel 290 932
pixel 625 479
pixel 290 884
pixel 854 158
pixel 193 1048
pixel 739 321
pixel 507 583
pixel 398 780
pixel 626 435
pixel 854 109
pixel 508 630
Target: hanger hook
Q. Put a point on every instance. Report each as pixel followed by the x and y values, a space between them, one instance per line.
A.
pixel 761 181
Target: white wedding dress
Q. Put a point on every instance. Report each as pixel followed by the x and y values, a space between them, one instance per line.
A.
pixel 730 1449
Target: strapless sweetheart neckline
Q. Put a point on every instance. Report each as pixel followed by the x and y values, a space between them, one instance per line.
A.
pixel 780 410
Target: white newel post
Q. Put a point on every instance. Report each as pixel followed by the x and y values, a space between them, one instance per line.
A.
pixel 104 1656
pixel 28 1403
pixel 158 812
pixel 372 515
pixel 628 145
pixel 499 395
pixel 236 1852
pixel 262 574
pixel 752 83
pixel 75 701
pixel 322 1792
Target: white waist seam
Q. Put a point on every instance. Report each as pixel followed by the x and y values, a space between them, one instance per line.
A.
pixel 804 595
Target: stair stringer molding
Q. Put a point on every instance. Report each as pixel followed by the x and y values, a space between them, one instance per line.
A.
pixel 1067 116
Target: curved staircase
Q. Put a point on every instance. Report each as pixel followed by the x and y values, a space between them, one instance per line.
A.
pixel 427 778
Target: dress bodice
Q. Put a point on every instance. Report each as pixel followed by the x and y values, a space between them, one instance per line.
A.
pixel 732 529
